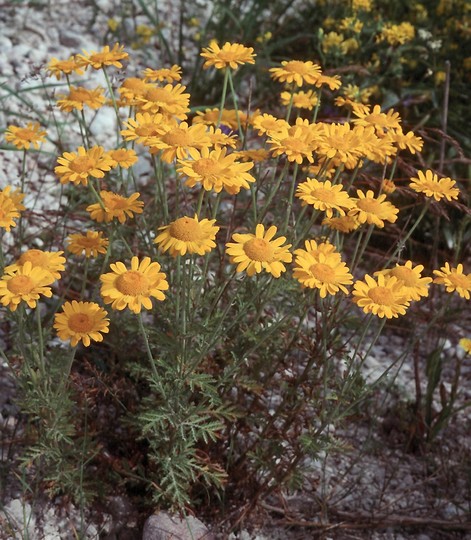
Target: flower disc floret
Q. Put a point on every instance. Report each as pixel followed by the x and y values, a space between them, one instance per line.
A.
pixel 81 321
pixel 384 297
pixel 188 235
pixel 133 288
pixel 260 251
pixel 24 284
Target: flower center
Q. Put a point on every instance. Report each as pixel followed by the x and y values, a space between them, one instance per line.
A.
pixel 296 66
pixel 371 206
pixel 115 202
pixel 79 94
pixel 258 249
pixel 81 323
pixel 460 280
pixel 147 130
pixel 322 272
pixel 406 275
pixel 228 56
pixel 20 285
pixel 82 164
pixel 99 57
pixel 87 241
pixel 120 154
pixel 157 94
pixel 206 167
pixel 324 195
pixel 135 84
pixel 25 134
pixel 36 257
pixel 382 296
pixel 295 145
pixel 132 283
pixel 185 229
pixel 177 137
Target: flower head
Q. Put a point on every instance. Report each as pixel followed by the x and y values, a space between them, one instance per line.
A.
pixel 324 196
pixel 300 100
pixel 123 157
pixel 81 321
pixel 116 206
pixel 175 141
pixel 415 286
pixel 465 344
pixel 131 89
pixel 8 212
pixel 77 166
pixel 169 75
pixel 78 97
pixel 91 244
pixel 105 57
pixel 228 118
pixel 230 55
pixel 51 261
pixel 145 127
pixel 135 287
pixel 24 137
pixel 344 224
pixel 431 186
pixel 373 210
pixel 65 67
pixel 168 100
pixel 259 251
pixel 384 297
pixel 24 284
pixel 188 235
pixel 296 71
pixel 454 280
pixel 269 124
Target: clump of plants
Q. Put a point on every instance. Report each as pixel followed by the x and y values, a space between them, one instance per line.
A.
pixel 216 276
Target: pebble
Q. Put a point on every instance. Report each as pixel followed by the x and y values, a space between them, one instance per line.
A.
pixel 163 526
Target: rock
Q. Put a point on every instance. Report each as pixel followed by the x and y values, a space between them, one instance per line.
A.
pixel 163 526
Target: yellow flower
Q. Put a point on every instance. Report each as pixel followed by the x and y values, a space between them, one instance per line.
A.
pixel 92 244
pixel 8 212
pixel 169 100
pixel 374 211
pixel 24 137
pixel 315 248
pixel 15 196
pixel 407 140
pixel 269 124
pixel 384 297
pixel 324 196
pixel 296 144
pixel 145 127
pixel 323 271
pixel 131 89
pixel 172 74
pixel 431 186
pixel 81 321
pixel 79 96
pixel 344 224
pixel 454 280
pixel 388 186
pixel 115 206
pixel 296 71
pixel 105 57
pixel 77 166
pixel 257 252
pixel 219 139
pixel 25 284
pixel 65 67
pixel 228 118
pixel 188 235
pixel 364 5
pixel 415 286
pixel 301 100
pixel 51 261
pixel 133 288
pixel 333 43
pixel 382 122
pixel 215 170
pixel 230 55
pixel 465 343
pixel 175 141
pixel 253 154
pixel 123 157
pixel 397 34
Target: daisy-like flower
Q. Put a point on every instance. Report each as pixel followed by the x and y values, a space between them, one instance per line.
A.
pixel 169 75
pixel 230 55
pixel 408 140
pixel 188 235
pixel 81 321
pixel 344 224
pixel 115 206
pixel 315 248
pixel 373 210
pixel 415 286
pixel 105 57
pixel 15 196
pixel 219 139
pixel 78 97
pixel 145 127
pixel 431 186
pixel 210 117
pixel 77 166
pixel 267 124
pixel 259 251
pixel 215 170
pixel 384 297
pixel 301 100
pixel 51 261
pixel 465 344
pixel 296 71
pixel 24 137
pixel 388 186
pixel 177 140
pixel 382 122
pixel 296 144
pixel 454 279
pixel 123 157
pixel 169 100
pixel 25 284
pixel 132 89
pixel 253 154
pixel 90 244
pixel 8 212
pixel 133 288
pixel 324 196
pixel 65 67
pixel 323 271
pixel 397 34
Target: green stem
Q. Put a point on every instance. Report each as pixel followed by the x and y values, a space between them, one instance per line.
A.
pixel 223 95
pixel 146 343
pixel 290 198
